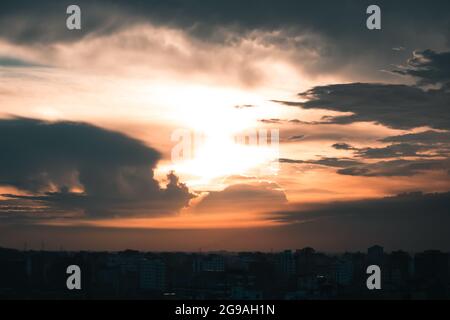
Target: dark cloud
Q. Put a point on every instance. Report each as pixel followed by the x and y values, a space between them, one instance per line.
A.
pixel 244 106
pixel 435 142
pixel 6 61
pixel 36 23
pixel 297 137
pixel 291 121
pixel 383 103
pixel 238 197
pixel 427 137
pixel 271 121
pixel 393 151
pixel 396 106
pixel 388 168
pixel 335 162
pixel 297 121
pixel 198 15
pixel 328 162
pixel 429 67
pixel 114 172
pixel 411 220
pixel 333 31
pixel 405 203
pixel 427 144
pixel 343 146
pixel 395 168
pixel 393 105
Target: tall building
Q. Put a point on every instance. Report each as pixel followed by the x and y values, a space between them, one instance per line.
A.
pixel 287 263
pixel 343 269
pixel 375 255
pixel 399 267
pixel 305 261
pixel 152 274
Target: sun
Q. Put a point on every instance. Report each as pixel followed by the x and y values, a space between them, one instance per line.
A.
pixel 215 115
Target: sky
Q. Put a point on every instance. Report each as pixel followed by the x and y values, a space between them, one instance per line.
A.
pixel 225 125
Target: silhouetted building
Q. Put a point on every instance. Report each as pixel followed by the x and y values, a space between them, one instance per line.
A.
pixel 305 274
pixel 286 263
pixel 152 275
pixel 305 260
pixel 400 267
pixel 343 269
pixel 211 263
pixel 375 255
pixel 241 293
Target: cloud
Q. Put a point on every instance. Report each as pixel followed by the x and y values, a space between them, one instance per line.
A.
pixel 395 106
pixel 77 166
pixel 244 106
pixel 404 203
pixel 271 121
pixel 297 137
pixel 243 197
pixel 427 137
pixel 291 121
pixel 395 168
pixel 424 144
pixel 332 40
pixel 6 61
pixel 324 161
pixel 343 146
pixel 429 67
pixel 393 151
pixel 412 220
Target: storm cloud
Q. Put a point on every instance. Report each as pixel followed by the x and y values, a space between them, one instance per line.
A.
pixel 331 39
pixel 395 106
pixel 429 67
pixel 71 165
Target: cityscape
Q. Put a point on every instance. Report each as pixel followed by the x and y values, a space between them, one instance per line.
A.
pixel 303 274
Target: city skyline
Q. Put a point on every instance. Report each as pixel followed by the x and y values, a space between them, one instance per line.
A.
pixel 302 274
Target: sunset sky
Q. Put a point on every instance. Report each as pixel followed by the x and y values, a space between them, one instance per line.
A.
pixel 90 119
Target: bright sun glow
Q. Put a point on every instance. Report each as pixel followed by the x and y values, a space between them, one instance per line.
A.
pixel 221 116
pixel 221 156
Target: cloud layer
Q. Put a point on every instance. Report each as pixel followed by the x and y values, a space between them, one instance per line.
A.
pixel 331 40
